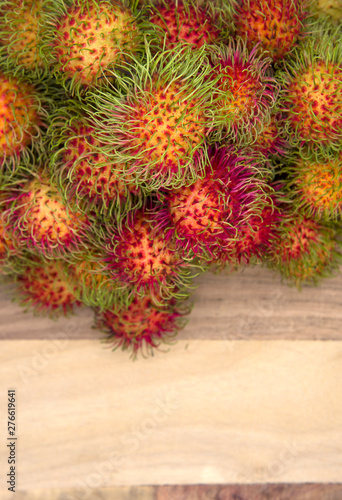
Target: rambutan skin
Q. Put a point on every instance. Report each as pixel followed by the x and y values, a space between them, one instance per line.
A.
pixel 86 176
pixel 314 185
pixel 141 256
pixel 21 25
pixel 142 327
pixel 41 288
pixel 274 25
pixel 185 22
pixel 158 127
pixel 19 118
pixel 40 220
pixel 311 96
pixel 304 251
pixel 89 37
pixel 253 241
pixel 210 211
pixel 244 94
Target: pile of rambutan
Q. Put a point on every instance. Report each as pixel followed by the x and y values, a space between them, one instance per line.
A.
pixel 143 142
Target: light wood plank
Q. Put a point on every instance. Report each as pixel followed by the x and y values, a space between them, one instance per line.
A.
pixel 206 412
pixel 253 304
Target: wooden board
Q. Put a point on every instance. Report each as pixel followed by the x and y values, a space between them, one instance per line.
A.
pixel 206 412
pixel 193 492
pixel 250 304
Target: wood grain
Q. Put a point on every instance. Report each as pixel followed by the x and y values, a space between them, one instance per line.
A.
pixel 206 412
pixel 253 304
pixel 191 492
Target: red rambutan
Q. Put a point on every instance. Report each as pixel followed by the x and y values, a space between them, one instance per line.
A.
pixel 159 128
pixel 312 95
pixel 209 212
pixel 141 256
pixel 87 175
pixel 142 326
pixel 41 287
pixel 304 251
pixel 88 37
pixel 274 25
pixel 192 22
pixel 244 94
pixel 41 221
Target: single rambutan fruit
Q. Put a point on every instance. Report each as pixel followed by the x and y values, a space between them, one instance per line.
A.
pixel 87 176
pixel 41 287
pixel 41 221
pixel 244 94
pixel 140 256
pixel 275 26
pixel 142 326
pixel 253 240
pixel 304 251
pixel 20 119
pixel 90 282
pixel 86 38
pixel 312 95
pixel 194 22
pixel 21 24
pixel 210 211
pixel 315 186
pixel 159 128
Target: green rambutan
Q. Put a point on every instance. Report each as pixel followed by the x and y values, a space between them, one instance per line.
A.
pixel 304 251
pixel 315 186
pixel 157 126
pixel 208 213
pixel 244 94
pixel 41 287
pixel 142 326
pixel 194 22
pixel 21 25
pixel 312 92
pixel 275 26
pixel 87 37
pixel 40 221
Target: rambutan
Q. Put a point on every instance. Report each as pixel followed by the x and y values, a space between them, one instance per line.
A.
pixel 159 127
pixel 253 240
pixel 41 221
pixel 275 26
pixel 304 251
pixel 41 287
pixel 244 94
pixel 209 212
pixel 20 118
pixel 312 95
pixel 87 38
pixel 86 175
pixel 140 255
pixel 142 326
pixel 332 9
pixel 21 24
pixel 195 22
pixel 315 186
pixel 90 282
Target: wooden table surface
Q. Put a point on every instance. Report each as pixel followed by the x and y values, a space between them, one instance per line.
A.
pixel 248 402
